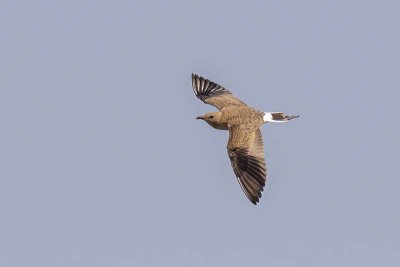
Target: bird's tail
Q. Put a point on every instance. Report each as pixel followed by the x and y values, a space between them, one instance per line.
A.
pixel 278 117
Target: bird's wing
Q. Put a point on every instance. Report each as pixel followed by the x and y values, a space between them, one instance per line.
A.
pixel 246 152
pixel 212 93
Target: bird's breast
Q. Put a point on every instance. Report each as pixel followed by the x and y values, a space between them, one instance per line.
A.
pixel 218 125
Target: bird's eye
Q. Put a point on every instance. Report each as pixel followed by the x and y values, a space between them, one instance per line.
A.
pixel 211 117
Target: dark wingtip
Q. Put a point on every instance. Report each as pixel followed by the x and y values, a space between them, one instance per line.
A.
pixel 255 198
pixel 204 88
pixel 194 76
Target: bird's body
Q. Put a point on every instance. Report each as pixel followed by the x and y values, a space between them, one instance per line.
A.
pixel 245 145
pixel 236 115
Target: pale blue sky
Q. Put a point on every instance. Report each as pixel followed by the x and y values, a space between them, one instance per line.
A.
pixel 104 164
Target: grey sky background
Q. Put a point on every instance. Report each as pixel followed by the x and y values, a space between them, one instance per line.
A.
pixel 103 163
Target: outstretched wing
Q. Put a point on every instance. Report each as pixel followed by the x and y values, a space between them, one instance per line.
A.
pixel 212 93
pixel 246 152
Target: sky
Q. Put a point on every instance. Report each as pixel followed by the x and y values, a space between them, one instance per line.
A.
pixel 104 164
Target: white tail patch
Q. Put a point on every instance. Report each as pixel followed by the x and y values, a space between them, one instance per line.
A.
pixel 267 117
pixel 277 117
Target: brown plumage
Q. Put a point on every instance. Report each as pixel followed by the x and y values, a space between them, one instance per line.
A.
pixel 245 145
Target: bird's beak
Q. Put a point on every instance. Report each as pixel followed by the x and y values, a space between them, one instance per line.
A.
pixel 200 118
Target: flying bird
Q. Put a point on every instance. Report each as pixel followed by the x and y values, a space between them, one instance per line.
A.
pixel 245 144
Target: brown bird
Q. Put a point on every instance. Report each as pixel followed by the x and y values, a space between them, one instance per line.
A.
pixel 245 145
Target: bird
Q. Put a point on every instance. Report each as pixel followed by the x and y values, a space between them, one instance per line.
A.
pixel 245 144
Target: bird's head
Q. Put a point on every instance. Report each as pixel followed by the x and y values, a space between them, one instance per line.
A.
pixel 213 119
pixel 212 116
